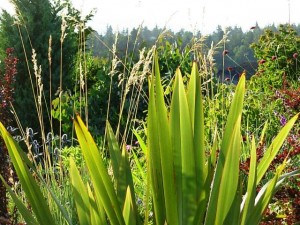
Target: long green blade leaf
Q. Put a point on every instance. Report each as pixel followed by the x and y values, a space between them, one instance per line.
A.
pixel 230 177
pixel 114 150
pixel 96 209
pixel 80 194
pixel 128 210
pixel 104 190
pixel 273 149
pixel 165 151
pixel 154 159
pixel 29 185
pixel 230 139
pixel 121 168
pixel 189 195
pixel 27 215
pixel 197 121
pixel 264 197
pixel 248 204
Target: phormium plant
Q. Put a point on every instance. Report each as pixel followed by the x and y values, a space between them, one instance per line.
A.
pixel 189 181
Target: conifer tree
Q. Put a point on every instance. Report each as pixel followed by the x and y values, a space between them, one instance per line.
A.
pixel 35 32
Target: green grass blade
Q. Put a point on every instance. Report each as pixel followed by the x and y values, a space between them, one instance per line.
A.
pixel 189 195
pixel 29 185
pixel 126 181
pixel 147 197
pixel 154 159
pixel 114 150
pixel 248 204
pixel 141 142
pixel 26 214
pixel 128 209
pixel 290 174
pixel 175 132
pixel 104 190
pixel 273 149
pixel 213 150
pixel 233 216
pixel 62 209
pixel 159 134
pixel 54 196
pixel 234 114
pixel 97 214
pixel 230 177
pixel 197 121
pixel 139 166
pixel 80 195
pixel 264 197
pixel 121 168
pixel 263 133
pixel 166 153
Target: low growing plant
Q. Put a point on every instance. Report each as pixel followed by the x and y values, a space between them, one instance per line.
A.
pixel 188 181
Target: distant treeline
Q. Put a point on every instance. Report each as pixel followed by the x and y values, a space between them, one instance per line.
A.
pixel 238 43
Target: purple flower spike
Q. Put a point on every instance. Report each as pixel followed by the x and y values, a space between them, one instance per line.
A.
pixel 282 120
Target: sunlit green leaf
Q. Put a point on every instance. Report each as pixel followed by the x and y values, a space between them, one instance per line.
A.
pixel 29 185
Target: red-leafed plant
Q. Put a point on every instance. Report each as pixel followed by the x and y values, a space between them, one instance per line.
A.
pixel 7 79
pixel 287 200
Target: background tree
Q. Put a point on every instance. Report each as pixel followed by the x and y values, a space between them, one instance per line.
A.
pixel 32 27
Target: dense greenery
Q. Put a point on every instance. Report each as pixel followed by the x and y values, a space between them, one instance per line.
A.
pixel 186 185
pixel 277 53
pixel 7 80
pixel 41 44
pixel 65 70
pixel 238 42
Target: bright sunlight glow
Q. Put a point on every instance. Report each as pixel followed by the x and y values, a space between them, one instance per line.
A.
pixel 193 15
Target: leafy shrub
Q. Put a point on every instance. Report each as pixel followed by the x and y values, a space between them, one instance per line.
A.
pixel 7 81
pixel 277 53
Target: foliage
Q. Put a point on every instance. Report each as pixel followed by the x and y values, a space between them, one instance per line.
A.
pixel 7 80
pixel 189 182
pixel 72 152
pixel 174 49
pixel 262 107
pixel 37 27
pixel 68 103
pixel 173 54
pixel 277 53
pixel 97 84
pixel 238 44
pixel 101 82
pixel 175 135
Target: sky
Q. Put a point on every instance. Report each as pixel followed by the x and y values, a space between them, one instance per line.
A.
pixel 192 15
